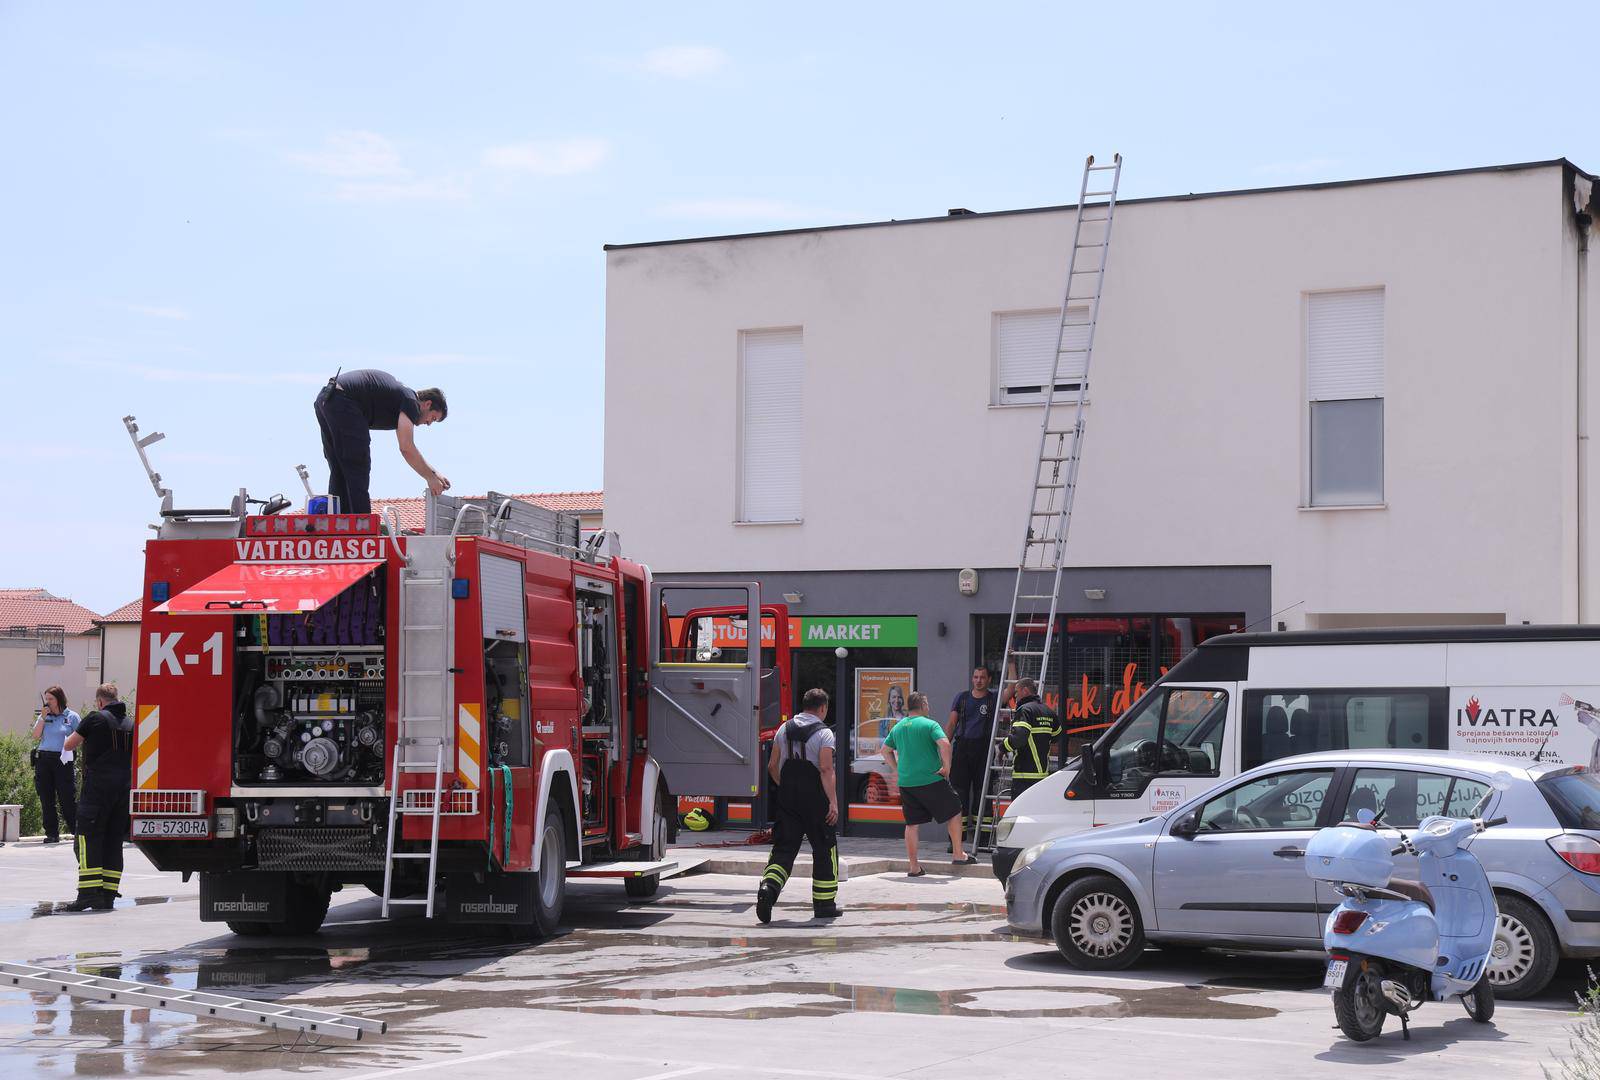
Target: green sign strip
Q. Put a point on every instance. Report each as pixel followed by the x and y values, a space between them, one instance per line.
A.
pixel 884 632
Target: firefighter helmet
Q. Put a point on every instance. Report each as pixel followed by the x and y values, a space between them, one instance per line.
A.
pixel 697 820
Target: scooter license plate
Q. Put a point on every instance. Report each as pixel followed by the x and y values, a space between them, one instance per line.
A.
pixel 1335 976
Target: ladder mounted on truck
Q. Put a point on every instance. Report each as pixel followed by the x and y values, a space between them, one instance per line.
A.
pixel 139 995
pixel 1030 634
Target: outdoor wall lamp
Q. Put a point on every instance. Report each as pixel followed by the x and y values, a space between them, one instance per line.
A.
pixel 793 597
pixel 1094 594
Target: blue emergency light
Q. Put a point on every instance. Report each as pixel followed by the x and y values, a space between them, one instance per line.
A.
pixel 160 592
pixel 460 588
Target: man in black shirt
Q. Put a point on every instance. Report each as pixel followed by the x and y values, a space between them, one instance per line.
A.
pixel 352 406
pixel 106 736
pixel 971 727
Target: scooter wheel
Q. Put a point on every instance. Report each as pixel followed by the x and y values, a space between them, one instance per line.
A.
pixel 1479 1001
pixel 1359 1005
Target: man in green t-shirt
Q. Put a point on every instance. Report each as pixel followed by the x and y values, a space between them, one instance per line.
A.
pixel 919 752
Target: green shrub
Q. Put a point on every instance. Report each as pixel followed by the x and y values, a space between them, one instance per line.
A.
pixel 1582 1061
pixel 16 781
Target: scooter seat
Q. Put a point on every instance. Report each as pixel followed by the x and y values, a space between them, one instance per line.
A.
pixel 1412 890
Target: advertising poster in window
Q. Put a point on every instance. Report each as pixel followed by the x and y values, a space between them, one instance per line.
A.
pixel 881 695
pixel 1553 723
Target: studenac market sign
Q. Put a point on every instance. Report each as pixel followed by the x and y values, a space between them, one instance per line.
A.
pixel 886 632
pixel 822 632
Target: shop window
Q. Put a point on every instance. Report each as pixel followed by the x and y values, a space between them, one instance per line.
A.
pixel 1279 723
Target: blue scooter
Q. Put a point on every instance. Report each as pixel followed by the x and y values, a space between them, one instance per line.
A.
pixel 1393 944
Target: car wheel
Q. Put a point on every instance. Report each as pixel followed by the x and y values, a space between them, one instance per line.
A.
pixel 1523 958
pixel 1096 924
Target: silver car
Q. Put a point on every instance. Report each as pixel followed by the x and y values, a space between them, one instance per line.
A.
pixel 1227 868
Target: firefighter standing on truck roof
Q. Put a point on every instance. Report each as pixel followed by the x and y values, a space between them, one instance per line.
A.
pixel 806 806
pixel 352 406
pixel 1034 726
pixel 106 736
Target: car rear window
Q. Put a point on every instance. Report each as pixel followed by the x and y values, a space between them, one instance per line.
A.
pixel 1575 799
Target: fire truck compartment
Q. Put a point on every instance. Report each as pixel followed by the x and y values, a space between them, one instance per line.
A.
pixel 267 588
pixel 311 688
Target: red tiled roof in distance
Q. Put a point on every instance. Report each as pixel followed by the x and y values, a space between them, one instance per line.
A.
pixel 27 594
pixel 411 513
pixel 130 612
pixel 33 612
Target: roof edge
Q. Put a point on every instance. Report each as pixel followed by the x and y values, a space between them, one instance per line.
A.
pixel 1522 166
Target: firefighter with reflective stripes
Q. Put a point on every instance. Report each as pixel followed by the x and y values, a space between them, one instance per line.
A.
pixel 806 807
pixel 1034 726
pixel 106 736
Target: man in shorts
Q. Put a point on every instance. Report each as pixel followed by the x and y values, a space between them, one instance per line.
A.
pixel 919 752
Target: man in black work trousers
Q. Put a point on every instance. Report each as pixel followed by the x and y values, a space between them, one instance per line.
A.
pixel 106 738
pixel 806 806
pixel 971 727
pixel 352 406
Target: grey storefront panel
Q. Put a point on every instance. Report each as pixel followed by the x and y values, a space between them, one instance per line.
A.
pixel 945 617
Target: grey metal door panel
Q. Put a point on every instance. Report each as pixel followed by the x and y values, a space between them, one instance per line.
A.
pixel 705 722
pixel 1238 885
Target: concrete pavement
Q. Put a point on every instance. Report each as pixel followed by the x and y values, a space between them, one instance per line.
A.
pixel 919 979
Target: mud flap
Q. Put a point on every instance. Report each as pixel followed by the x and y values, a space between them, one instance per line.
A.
pixel 490 898
pixel 244 896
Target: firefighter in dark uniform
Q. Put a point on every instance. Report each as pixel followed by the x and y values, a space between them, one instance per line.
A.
pixel 1034 726
pixel 106 738
pixel 805 806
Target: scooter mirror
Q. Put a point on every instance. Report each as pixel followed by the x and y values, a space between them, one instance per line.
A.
pixel 1365 816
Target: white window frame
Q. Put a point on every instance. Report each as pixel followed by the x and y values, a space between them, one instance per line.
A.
pixel 1000 397
pixel 742 514
pixel 1308 398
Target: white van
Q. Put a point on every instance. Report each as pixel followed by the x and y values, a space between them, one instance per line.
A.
pixel 1240 700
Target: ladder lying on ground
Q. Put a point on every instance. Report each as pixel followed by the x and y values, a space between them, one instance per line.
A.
pixel 138 995
pixel 1030 635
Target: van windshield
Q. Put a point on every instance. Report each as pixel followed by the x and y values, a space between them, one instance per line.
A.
pixel 1172 731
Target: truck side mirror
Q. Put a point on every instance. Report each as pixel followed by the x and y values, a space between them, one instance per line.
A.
pixel 1187 825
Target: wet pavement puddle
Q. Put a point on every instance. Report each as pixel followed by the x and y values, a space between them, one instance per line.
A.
pixel 390 972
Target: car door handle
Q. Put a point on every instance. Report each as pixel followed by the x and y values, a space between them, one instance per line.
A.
pixel 1290 853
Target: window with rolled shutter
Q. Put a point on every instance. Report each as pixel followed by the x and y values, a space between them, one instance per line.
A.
pixel 1344 385
pixel 771 402
pixel 1024 346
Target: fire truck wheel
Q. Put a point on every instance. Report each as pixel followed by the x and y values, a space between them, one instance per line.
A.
pixel 642 888
pixel 308 906
pixel 249 929
pixel 550 880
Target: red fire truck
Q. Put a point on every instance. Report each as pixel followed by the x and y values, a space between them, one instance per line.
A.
pixel 459 720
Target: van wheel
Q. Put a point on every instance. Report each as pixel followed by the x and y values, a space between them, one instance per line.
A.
pixel 1096 925
pixel 249 929
pixel 1523 958
pixel 550 878
pixel 642 888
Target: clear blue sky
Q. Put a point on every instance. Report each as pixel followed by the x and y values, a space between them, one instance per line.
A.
pixel 207 208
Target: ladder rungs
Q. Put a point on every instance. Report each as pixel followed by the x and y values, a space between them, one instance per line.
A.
pixel 399 900
pixel 414 854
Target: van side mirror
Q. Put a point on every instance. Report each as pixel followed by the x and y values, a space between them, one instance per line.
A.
pixel 1186 826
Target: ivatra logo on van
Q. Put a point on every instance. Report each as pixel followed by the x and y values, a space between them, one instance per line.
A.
pixel 1552 723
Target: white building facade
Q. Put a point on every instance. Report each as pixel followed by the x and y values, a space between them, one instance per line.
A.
pixel 1346 404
